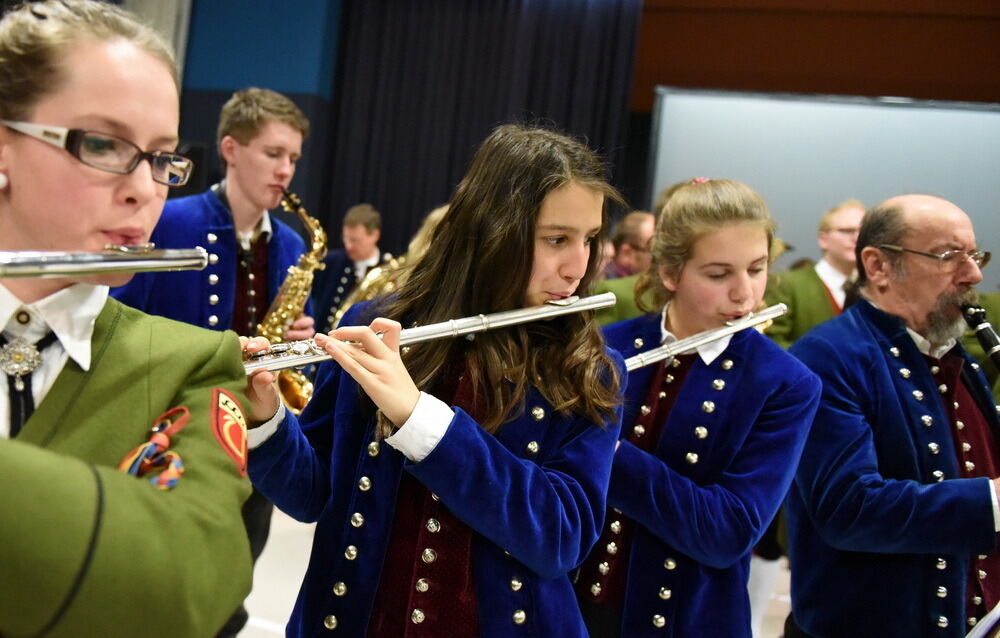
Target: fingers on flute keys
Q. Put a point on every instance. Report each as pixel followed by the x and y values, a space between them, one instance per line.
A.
pixel 261 387
pixel 374 363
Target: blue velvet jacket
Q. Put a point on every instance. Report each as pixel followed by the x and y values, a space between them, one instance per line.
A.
pixel 205 297
pixel 533 494
pixel 878 522
pixel 698 521
pixel 333 285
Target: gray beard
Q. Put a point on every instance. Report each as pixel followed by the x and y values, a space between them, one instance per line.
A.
pixel 945 321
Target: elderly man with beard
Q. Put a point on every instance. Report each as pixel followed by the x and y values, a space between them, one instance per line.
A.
pixel 893 516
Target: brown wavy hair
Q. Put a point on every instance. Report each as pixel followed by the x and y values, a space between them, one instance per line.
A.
pixel 480 261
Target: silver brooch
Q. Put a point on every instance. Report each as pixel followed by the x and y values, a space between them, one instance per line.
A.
pixel 18 358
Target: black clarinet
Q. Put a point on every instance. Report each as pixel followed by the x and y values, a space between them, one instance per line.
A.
pixel 976 318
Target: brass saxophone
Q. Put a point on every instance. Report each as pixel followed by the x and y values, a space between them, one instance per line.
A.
pixel 288 304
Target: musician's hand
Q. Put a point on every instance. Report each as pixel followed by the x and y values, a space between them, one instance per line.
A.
pixel 376 366
pixel 302 328
pixel 262 386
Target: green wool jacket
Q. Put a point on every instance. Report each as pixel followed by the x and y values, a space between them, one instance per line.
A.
pixel 87 550
pixel 625 307
pixel 808 304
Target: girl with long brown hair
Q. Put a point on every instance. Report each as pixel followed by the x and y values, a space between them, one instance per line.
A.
pixel 455 500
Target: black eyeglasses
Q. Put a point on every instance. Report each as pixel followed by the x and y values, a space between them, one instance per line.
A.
pixel 109 152
pixel 949 260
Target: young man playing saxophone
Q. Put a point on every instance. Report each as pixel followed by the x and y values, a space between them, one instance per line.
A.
pixel 260 139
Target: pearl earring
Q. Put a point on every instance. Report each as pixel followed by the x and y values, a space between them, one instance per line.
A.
pixel 3 181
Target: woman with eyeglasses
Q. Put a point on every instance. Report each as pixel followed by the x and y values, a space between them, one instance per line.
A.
pixel 107 529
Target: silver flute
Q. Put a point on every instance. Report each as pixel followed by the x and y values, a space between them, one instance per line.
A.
pixel 301 353
pixel 687 344
pixel 141 258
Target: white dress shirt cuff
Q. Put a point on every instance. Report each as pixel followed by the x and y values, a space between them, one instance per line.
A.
pixel 996 507
pixel 424 429
pixel 259 435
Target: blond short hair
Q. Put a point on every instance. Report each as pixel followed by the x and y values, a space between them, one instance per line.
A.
pixel 249 110
pixel 826 221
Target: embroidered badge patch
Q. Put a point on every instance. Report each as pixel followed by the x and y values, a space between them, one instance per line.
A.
pixel 230 427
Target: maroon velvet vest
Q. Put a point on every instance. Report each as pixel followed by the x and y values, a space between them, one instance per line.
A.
pixel 426 589
pixel 250 302
pixel 603 575
pixel 976 448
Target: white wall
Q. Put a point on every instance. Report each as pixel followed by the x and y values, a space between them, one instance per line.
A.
pixel 804 154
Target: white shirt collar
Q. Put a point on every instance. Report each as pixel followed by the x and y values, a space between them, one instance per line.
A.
pixel 371 261
pixel 833 279
pixel 708 352
pixel 263 228
pixel 70 313
pixel 362 267
pixel 925 346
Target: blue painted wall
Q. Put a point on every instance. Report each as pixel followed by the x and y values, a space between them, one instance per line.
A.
pixel 289 47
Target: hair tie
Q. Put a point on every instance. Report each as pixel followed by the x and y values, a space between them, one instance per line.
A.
pixel 698 180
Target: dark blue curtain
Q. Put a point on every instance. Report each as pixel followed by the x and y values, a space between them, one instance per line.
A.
pixel 419 84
